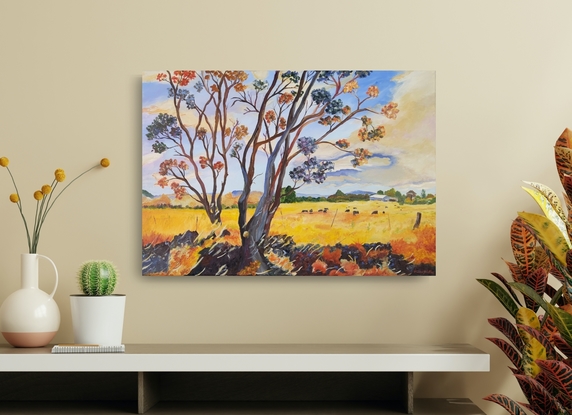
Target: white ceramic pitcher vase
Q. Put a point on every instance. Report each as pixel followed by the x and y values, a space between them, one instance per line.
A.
pixel 29 317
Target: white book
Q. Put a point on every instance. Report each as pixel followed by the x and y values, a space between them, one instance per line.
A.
pixel 87 348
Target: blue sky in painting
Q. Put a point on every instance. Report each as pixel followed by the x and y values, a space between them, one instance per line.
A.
pixel 404 159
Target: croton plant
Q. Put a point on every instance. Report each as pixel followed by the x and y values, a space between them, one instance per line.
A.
pixel 539 337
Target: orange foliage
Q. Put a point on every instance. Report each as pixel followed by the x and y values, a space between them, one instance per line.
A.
pixel 281 261
pixel 332 256
pixel 349 268
pixel 423 250
pixel 378 254
pixel 250 269
pixel 183 259
pixel 379 272
pixel 155 238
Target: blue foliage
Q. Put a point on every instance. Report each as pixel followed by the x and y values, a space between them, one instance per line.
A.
pixel 159 147
pixel 199 86
pixel 163 126
pixel 291 76
pixel 320 96
pixel 260 85
pixel 311 170
pixel 307 145
pixel 363 74
pixel 190 100
pixel 236 148
pixel 334 106
pixel 181 93
pixel 324 75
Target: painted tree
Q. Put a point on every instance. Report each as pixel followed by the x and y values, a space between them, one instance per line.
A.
pixel 201 135
pixel 278 109
pixel 284 106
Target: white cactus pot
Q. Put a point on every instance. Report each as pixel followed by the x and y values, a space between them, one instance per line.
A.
pixel 98 319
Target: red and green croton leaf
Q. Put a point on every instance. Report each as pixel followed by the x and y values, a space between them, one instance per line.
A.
pixel 561 345
pixel 505 299
pixel 539 398
pixel 507 328
pixel 505 282
pixel 563 154
pixel 560 375
pixel 510 352
pixel 537 280
pixel 523 243
pixel 507 403
pixel 563 321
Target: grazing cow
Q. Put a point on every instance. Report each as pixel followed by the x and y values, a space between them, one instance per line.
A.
pixel 321 210
pixel 375 212
pixel 356 212
pixel 311 210
pixel 347 210
pixel 305 211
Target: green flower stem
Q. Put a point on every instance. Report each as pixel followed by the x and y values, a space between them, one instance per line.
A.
pixel 36 234
pixel 53 186
pixel 43 213
pixel 21 212
pixel 38 222
pixel 42 209
pixel 49 204
pixel 68 185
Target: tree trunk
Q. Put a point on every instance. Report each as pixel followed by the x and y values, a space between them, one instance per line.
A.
pixel 253 237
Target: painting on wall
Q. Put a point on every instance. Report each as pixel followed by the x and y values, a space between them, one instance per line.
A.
pixel 288 173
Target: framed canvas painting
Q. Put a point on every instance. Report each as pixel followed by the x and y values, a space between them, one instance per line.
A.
pixel 288 173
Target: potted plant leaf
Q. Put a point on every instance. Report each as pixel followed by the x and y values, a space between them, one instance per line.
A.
pixel 97 314
pixel 538 341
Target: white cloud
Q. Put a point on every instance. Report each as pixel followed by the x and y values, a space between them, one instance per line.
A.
pixel 150 158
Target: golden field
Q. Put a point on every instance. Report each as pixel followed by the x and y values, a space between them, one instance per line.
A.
pixel 393 223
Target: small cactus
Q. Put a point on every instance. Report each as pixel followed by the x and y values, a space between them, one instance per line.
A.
pixel 97 277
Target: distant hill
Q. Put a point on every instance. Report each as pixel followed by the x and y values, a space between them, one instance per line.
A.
pixel 162 200
pixel 228 199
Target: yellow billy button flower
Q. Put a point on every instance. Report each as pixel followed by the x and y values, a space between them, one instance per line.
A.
pixel 60 175
pixel 47 195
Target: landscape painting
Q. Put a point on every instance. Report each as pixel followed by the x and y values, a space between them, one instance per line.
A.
pixel 288 173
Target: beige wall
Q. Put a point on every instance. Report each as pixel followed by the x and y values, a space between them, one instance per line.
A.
pixel 70 94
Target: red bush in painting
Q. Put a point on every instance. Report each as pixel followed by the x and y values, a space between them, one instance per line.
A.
pixel 332 256
pixel 319 267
